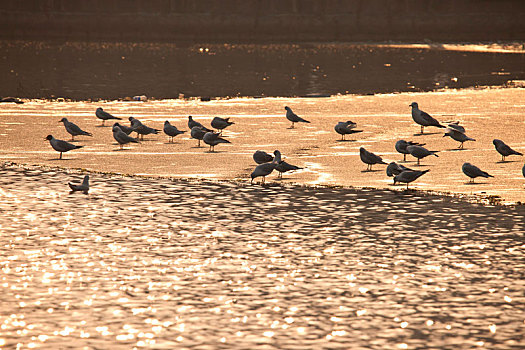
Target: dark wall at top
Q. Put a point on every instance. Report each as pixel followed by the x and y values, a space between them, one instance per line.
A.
pixel 263 20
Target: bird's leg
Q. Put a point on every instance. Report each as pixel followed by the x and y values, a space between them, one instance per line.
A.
pixel 60 156
pixel 121 146
pixel 404 157
pixel 407 185
pixel 343 137
pixel 418 161
pixel 72 137
pixel 292 126
pixel 422 127
pixel 502 158
pixel 199 143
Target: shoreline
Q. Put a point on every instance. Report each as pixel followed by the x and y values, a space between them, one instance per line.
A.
pixel 485 200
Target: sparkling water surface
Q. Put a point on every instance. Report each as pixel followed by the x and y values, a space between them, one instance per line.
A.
pixel 157 263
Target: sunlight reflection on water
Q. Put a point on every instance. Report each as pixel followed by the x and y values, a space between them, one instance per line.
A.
pixel 165 264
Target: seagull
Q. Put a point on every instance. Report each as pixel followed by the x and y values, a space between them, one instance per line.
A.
pixel 401 147
pixel 126 129
pixel 213 139
pixel 458 136
pixel 61 145
pixel 345 128
pixel 420 152
pixel 261 157
pixel 221 123
pixel 192 123
pixel 294 118
pixel 83 187
pixel 141 129
pixel 266 169
pixel 423 118
pixel 408 176
pixel 394 169
pixel 171 130
pixel 73 129
pixel 369 158
pixel 198 133
pixel 504 150
pixel 121 137
pixel 456 126
pixel 283 167
pixel 473 171
pixel 101 114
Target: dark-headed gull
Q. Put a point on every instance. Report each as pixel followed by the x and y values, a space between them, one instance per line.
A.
pixel 102 114
pixel 213 139
pixel 401 147
pixel 73 129
pixel 121 137
pixel 459 136
pixel 294 118
pixel 141 129
pixel 473 171
pixel 420 152
pixel 171 130
pixel 504 150
pixel 221 123
pixel 61 145
pixel 408 176
pixel 369 158
pixel 346 128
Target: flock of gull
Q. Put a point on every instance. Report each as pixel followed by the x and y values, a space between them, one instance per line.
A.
pixel 266 163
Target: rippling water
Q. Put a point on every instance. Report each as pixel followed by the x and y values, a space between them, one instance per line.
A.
pixel 92 70
pixel 163 264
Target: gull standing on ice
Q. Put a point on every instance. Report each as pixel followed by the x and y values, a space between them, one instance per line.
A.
pixel 423 118
pixel 121 137
pixel 473 171
pixel 408 176
pixel 346 128
pixel 294 118
pixel 73 129
pixel 420 152
pixel 61 145
pixel 83 187
pixel 458 136
pixel 212 139
pixel 141 129
pixel 102 114
pixel 369 158
pixel 198 133
pixel 221 123
pixel 504 150
pixel 171 130
pixel 283 167
pixel 394 169
pixel 261 157
pixel 266 169
pixel 192 123
pixel 401 147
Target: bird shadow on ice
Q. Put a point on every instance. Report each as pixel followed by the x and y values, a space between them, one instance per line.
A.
pixel 506 161
pixel 345 140
pixel 456 149
pixel 62 158
pixel 475 183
